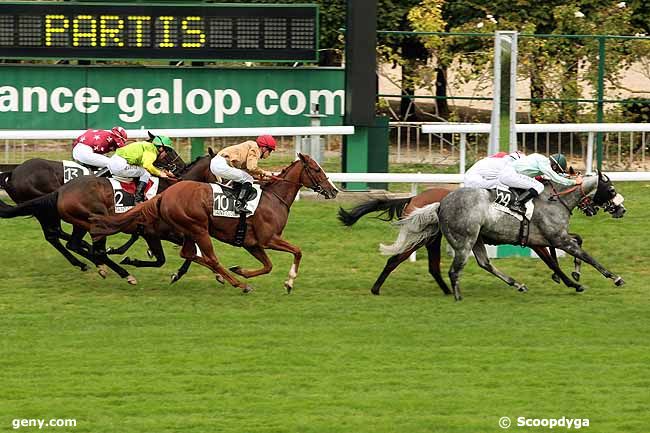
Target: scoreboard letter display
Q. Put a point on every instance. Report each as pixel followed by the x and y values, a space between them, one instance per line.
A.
pixel 254 32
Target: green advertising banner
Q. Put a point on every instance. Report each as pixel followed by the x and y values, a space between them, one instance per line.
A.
pixel 75 97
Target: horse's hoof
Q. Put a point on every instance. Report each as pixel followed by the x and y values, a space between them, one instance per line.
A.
pixel 575 275
pixel 458 298
pixel 247 289
pixel 619 281
pixel 374 292
pixel 555 278
pixel 174 278
pixel 150 254
pixel 522 288
pixel 580 289
pixel 220 279
pixel 102 270
pixel 289 287
pixel 83 267
pixel 131 280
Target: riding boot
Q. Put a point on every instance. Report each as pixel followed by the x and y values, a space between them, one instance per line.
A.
pixel 520 204
pixel 240 203
pixel 139 192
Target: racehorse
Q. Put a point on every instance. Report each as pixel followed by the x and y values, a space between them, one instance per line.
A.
pixel 402 207
pixel 188 208
pixel 468 220
pixel 75 201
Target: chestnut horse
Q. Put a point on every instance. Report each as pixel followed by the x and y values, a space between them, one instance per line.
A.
pixel 402 207
pixel 188 208
pixel 75 201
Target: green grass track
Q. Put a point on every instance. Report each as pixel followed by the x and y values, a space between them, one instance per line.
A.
pixel 200 357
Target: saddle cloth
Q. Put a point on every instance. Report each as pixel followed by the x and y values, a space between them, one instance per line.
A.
pixel 73 170
pixel 224 201
pixel 124 193
pixel 504 198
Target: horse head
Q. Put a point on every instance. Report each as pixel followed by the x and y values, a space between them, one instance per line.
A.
pixel 170 160
pixel 601 194
pixel 313 177
pixel 607 197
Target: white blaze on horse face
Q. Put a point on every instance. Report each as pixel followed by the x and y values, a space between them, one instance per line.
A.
pixel 328 179
pixel 618 200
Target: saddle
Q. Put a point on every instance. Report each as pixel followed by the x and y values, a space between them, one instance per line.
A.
pixel 231 190
pixel 224 197
pixel 504 201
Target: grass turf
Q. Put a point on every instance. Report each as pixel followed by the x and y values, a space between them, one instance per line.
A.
pixel 200 357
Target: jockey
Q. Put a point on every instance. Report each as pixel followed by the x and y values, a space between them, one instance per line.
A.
pixel 517 170
pixel 90 147
pixel 136 160
pixel 239 163
pixel 533 165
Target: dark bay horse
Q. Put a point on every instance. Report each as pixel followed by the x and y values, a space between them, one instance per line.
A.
pixel 75 201
pixel 187 207
pixel 467 220
pixel 397 208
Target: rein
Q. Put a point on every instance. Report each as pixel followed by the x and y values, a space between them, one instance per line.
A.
pixel 585 200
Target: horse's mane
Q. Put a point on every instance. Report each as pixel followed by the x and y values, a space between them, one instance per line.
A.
pixel 267 183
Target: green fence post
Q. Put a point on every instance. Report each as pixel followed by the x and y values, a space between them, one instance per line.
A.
pixel 355 158
pixel 601 96
pixel 197 148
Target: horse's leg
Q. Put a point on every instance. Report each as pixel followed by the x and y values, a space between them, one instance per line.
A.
pixel 51 231
pixel 183 270
pixel 480 253
pixel 433 250
pixel 460 259
pixel 570 245
pixel 259 253
pixel 124 248
pixel 155 246
pixel 576 261
pixel 391 264
pixel 552 254
pixel 209 259
pixel 550 259
pixel 99 252
pixel 279 244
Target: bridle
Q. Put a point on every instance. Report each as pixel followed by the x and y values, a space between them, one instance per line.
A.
pixel 586 203
pixel 171 165
pixel 316 187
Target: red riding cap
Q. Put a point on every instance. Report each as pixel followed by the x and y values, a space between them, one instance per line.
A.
pixel 266 141
pixel 119 132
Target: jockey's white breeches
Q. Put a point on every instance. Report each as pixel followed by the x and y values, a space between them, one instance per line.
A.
pixel 498 173
pixel 119 167
pixel 220 168
pixel 85 155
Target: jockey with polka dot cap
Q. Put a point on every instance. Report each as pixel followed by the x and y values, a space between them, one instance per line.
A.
pixel 91 147
pixel 239 164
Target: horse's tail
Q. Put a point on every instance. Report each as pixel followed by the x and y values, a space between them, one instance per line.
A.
pixel 39 207
pixel 105 225
pixel 420 225
pixel 391 209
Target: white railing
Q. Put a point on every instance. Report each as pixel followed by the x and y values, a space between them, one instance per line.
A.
pixel 9 134
pixel 590 128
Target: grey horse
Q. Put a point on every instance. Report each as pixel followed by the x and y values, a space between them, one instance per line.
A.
pixel 468 221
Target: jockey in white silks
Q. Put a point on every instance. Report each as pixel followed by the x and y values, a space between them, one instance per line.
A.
pixel 516 170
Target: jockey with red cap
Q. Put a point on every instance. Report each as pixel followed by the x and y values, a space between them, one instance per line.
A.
pixel 239 163
pixel 90 147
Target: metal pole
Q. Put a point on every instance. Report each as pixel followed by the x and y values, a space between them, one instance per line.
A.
pixel 590 154
pixel 601 96
pixel 463 146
